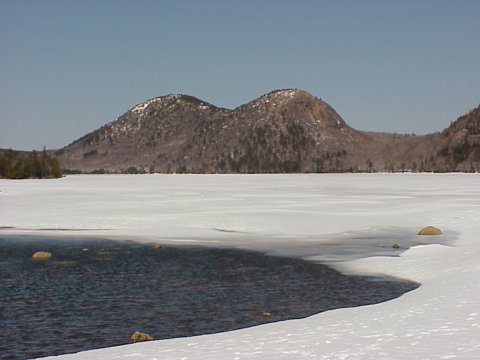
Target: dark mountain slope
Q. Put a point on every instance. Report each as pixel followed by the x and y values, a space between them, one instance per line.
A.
pixel 461 143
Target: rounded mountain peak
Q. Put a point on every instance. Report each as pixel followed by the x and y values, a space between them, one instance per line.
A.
pixel 170 100
pixel 279 98
pixel 287 94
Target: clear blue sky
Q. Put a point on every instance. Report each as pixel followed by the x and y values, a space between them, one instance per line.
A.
pixel 69 67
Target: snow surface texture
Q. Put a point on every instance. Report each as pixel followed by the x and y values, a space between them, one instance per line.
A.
pixel 289 214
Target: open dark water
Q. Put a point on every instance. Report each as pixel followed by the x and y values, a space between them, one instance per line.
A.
pixel 96 293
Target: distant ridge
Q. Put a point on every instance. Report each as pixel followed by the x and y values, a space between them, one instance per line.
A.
pixel 284 131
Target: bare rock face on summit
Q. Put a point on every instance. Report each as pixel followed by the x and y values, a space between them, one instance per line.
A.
pixel 282 131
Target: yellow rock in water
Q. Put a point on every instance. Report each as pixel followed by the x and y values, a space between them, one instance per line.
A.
pixel 41 255
pixel 430 230
pixel 157 246
pixel 138 336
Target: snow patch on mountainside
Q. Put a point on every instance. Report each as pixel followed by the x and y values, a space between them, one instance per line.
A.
pixel 140 108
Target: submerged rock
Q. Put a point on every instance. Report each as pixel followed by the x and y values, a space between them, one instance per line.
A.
pixel 264 314
pixel 138 336
pixel 430 230
pixel 41 255
pixel 395 246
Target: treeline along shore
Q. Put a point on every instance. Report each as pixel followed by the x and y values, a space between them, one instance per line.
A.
pixel 28 164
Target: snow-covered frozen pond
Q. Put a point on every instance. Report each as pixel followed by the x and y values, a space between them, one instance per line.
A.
pixel 299 215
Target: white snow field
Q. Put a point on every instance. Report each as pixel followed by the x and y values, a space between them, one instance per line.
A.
pixel 291 214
